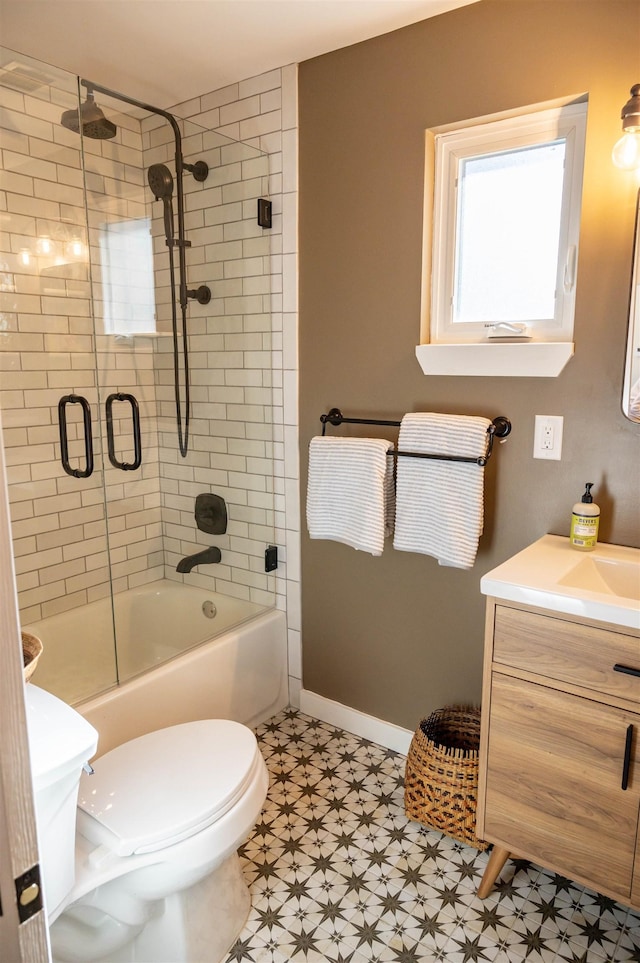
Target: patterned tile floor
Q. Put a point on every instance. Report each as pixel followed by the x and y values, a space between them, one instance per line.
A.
pixel 339 874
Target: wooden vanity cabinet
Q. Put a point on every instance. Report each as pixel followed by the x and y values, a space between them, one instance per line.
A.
pixel 560 747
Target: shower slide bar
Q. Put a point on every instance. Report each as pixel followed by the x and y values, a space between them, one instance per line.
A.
pixel 88 436
pixel 500 427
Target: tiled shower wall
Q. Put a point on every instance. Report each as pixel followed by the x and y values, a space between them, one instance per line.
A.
pixel 230 434
pixel 262 111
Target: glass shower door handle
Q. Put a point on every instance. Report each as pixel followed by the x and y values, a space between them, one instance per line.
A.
pixel 88 438
pixel 137 447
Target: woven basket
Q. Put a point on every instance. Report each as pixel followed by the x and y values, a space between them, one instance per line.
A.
pixel 31 652
pixel 441 778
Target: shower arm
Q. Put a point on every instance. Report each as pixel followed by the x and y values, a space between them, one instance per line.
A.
pixel 180 168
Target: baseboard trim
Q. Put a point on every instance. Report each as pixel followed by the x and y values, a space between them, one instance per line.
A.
pixel 369 727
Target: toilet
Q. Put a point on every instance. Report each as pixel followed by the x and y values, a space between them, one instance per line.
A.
pixel 139 858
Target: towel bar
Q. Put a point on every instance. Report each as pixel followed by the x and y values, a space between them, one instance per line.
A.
pixel 500 427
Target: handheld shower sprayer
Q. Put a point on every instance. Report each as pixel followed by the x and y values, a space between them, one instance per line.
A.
pixel 161 184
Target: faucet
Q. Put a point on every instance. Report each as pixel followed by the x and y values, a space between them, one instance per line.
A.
pixel 208 557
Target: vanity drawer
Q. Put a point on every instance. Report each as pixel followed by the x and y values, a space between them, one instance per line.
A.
pixel 565 651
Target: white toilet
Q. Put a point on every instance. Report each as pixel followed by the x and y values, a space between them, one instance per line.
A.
pixel 139 859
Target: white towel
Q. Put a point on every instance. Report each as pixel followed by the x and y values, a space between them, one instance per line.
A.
pixel 350 494
pixel 440 504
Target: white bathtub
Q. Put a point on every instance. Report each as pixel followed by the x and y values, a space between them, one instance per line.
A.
pixel 174 663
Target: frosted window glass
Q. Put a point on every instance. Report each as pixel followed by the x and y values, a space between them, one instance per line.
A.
pixel 126 262
pixel 508 232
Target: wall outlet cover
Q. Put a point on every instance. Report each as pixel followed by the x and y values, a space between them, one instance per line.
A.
pixel 547 440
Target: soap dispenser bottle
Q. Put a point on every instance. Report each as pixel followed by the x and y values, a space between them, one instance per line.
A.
pixel 585 517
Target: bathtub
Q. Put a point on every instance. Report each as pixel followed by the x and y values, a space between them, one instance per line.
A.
pixel 183 654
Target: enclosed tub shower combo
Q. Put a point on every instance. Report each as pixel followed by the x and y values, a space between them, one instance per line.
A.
pixel 135 347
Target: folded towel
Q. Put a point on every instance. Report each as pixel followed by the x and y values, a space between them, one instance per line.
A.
pixel 440 504
pixel 350 494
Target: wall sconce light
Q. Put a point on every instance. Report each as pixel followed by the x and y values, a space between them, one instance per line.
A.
pixel 626 153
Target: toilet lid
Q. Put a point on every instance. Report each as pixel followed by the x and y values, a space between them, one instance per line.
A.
pixel 166 785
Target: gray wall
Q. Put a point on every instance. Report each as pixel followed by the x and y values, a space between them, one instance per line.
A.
pixel 398 636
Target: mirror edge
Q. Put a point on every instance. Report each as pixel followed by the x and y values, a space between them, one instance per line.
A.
pixel 631 384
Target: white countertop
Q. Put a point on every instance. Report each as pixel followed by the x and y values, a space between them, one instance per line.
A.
pixel 543 575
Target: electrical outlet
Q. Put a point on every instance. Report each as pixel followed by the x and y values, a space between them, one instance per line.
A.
pixel 547 440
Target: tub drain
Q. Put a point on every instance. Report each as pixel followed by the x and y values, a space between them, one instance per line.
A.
pixel 209 609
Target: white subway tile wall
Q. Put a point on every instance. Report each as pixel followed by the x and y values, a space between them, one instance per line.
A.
pixel 263 113
pixel 230 433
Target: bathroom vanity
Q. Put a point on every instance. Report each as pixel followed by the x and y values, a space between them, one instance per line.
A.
pixel 560 740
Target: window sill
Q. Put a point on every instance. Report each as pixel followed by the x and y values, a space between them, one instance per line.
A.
pixel 533 359
pixel 130 335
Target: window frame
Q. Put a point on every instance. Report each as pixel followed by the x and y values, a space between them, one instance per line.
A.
pixel 446 148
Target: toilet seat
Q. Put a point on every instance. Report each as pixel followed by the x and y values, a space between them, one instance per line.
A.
pixel 165 786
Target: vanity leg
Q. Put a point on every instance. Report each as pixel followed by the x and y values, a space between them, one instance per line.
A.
pixel 498 858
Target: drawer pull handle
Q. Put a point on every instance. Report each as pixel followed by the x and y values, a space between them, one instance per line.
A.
pixel 627 669
pixel 627 757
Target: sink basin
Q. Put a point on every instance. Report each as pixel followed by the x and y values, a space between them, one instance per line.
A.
pixel 605 575
pixel 603 585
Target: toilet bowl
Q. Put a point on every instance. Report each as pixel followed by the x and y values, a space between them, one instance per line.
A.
pixel 145 868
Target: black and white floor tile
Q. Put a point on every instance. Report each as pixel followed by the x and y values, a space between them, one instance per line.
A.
pixel 339 874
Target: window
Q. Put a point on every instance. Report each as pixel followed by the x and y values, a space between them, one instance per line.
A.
pixel 126 262
pixel 506 219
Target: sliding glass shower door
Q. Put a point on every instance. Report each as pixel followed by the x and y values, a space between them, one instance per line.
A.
pixel 50 403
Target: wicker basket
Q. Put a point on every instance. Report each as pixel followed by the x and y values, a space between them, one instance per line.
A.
pixel 31 652
pixel 441 778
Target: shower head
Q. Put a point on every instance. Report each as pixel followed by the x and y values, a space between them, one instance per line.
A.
pixel 93 122
pixel 160 181
pixel 161 184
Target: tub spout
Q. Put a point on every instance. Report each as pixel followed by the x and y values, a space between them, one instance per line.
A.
pixel 208 557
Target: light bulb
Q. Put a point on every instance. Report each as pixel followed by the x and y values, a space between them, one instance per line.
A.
pixel 626 152
pixel 75 249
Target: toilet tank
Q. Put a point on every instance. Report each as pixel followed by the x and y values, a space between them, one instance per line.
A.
pixel 60 743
